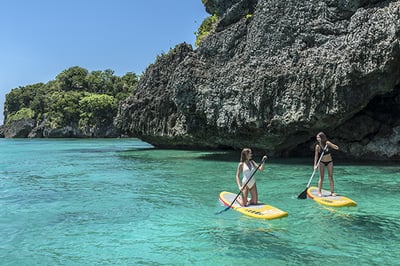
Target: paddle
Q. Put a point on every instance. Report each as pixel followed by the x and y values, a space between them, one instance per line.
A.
pixel 303 195
pixel 227 208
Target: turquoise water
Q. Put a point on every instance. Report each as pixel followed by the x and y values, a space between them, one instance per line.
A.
pixel 121 202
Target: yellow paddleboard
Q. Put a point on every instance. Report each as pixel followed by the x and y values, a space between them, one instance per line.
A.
pixel 260 211
pixel 328 200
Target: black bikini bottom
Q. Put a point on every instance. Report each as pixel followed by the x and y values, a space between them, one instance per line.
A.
pixel 326 163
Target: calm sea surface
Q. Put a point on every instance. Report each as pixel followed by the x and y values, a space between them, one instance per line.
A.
pixel 122 202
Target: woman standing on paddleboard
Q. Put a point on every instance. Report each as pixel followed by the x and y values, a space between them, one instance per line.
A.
pixel 246 167
pixel 324 145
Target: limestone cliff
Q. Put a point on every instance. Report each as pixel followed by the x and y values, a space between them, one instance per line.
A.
pixel 275 73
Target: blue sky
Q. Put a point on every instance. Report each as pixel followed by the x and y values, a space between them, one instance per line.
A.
pixel 41 38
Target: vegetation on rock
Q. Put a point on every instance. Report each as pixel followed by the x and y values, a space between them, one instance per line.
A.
pixel 76 97
pixel 206 27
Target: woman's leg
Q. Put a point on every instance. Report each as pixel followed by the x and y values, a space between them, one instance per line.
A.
pixel 330 176
pixel 254 194
pixel 243 200
pixel 321 178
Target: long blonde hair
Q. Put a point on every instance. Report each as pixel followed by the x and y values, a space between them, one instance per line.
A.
pixel 244 154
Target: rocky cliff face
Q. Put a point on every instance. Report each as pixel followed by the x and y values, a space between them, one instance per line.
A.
pixel 275 73
pixel 30 128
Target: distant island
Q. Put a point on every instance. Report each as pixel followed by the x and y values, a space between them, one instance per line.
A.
pixel 77 103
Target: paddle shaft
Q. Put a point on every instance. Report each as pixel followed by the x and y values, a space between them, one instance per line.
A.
pixel 320 158
pixel 227 208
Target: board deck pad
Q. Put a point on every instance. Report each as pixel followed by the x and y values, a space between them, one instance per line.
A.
pixel 328 200
pixel 260 211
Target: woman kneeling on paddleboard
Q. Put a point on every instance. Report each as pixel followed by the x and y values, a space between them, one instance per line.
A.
pixel 246 167
pixel 324 145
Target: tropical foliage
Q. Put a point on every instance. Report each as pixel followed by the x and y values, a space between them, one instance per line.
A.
pixel 206 27
pixel 75 97
pixel 24 113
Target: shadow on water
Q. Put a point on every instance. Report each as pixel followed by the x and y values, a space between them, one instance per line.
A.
pixel 225 156
pixel 240 241
pixel 371 226
pixel 149 155
pixel 364 162
pixel 268 242
pixel 390 187
pixel 206 155
pixel 234 156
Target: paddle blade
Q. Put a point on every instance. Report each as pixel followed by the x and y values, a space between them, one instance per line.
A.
pixel 303 195
pixel 224 210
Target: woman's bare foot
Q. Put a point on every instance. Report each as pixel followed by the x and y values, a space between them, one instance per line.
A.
pixel 240 201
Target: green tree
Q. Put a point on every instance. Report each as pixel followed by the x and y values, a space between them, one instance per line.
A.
pixel 73 78
pixel 97 110
pixel 23 113
pixel 75 97
pixel 21 97
pixel 101 82
pixel 64 108
pixel 125 86
pixel 40 103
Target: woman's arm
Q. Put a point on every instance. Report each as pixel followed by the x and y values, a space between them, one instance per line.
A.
pixel 261 168
pixel 333 146
pixel 316 156
pixel 238 171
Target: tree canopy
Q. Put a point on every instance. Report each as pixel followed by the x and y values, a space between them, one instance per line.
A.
pixel 75 97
